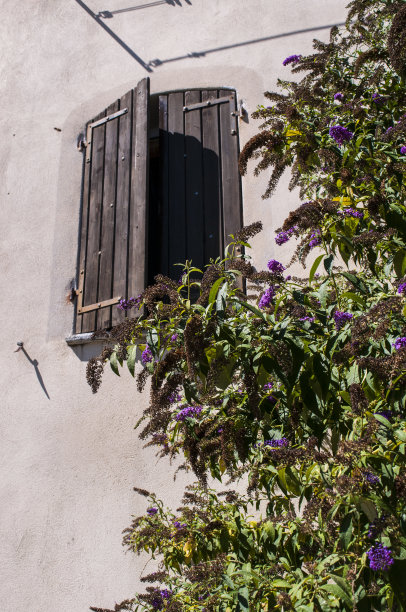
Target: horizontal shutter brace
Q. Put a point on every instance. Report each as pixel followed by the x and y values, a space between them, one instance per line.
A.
pixel 103 304
pixel 90 127
pixel 207 103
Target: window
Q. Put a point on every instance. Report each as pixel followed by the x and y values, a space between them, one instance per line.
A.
pixel 160 185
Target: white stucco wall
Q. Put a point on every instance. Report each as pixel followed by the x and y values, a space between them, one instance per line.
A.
pixel 69 459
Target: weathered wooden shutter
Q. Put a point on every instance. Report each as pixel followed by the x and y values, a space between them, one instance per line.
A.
pixel 200 184
pixel 113 235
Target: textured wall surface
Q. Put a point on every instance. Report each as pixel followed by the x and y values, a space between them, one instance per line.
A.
pixel 69 459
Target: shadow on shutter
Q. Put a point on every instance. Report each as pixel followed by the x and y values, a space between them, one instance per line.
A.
pixel 199 201
pixel 113 233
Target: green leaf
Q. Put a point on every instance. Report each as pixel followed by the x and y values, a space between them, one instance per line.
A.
pixel 354 280
pixel 256 311
pixel 114 363
pixel 314 267
pixel 221 298
pixel 383 420
pixel 243 599
pixel 349 295
pixel 328 263
pixel 214 289
pixel 336 590
pixel 131 355
pixel 346 531
pixel 399 263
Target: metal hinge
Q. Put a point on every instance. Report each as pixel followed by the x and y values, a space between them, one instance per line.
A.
pixel 88 141
pixel 103 304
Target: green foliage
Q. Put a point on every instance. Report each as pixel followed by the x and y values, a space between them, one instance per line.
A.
pixel 297 385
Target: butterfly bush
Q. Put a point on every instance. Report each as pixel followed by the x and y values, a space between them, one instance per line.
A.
pixel 290 392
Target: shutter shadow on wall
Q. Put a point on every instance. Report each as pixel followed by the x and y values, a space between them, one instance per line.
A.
pixel 187 191
pixel 112 260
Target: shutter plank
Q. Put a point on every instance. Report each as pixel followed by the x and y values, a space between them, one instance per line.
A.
pixel 232 211
pixel 94 220
pixel 107 231
pixel 194 182
pixel 122 206
pixel 138 242
pixel 213 234
pixel 177 220
pixel 83 231
pixel 164 168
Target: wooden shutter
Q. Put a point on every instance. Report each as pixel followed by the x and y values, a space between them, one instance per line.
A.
pixel 200 204
pixel 113 234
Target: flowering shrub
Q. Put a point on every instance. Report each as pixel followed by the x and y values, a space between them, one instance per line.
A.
pixel 298 385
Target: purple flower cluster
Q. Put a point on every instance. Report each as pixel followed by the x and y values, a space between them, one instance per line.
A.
pixel 267 297
pixel 387 414
pixel 400 343
pixel 402 288
pixel 378 99
pixel 315 239
pixel 311 319
pixel 340 134
pixel 152 511
pixel 146 355
pixel 403 150
pixel 341 318
pixel 179 525
pixel 351 212
pixel 339 96
pixel 380 557
pixel 158 600
pixel 371 478
pixel 279 443
pixel 268 386
pixel 174 397
pixel 283 237
pixel 275 266
pixel 130 303
pixel 291 59
pixel 188 412
pixel 174 337
pixel 376 527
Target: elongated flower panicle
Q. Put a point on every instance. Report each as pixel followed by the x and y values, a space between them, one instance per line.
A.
pixel 291 59
pixel 340 134
pixel 283 237
pixel 281 443
pixel 128 304
pixel 267 297
pixel 352 212
pixel 402 288
pixel 380 558
pixel 400 343
pixel 188 412
pixel 315 239
pixel 378 99
pixel 371 478
pixel 341 318
pixel 275 266
pixel 146 355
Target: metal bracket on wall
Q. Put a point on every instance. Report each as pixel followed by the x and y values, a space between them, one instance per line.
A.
pixel 79 292
pixel 213 102
pixel 97 124
pixel 207 103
